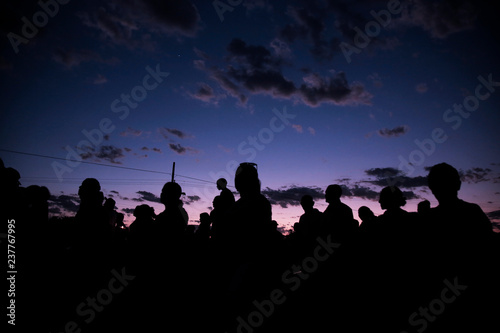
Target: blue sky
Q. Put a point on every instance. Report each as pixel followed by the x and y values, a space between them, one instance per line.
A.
pixel 349 121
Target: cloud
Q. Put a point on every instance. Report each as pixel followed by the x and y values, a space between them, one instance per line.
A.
pixel 181 150
pixel 358 191
pixel 394 132
pixel 311 130
pixel 494 215
pixel 334 90
pixel 253 70
pixel 156 150
pixel 131 23
pixel 73 58
pixel 100 79
pixel 190 199
pixel 225 149
pixel 298 128
pixel 176 132
pixel 61 204
pixel 147 196
pixel 439 18
pixel 394 177
pixel 128 211
pixel 475 175
pixel 106 152
pixel 292 195
pixel 131 132
pixel 206 93
pixel 421 87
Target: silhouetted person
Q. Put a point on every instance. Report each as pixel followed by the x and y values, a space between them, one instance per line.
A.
pixel 459 245
pixel 142 228
pixel 203 231
pixel 38 208
pixel 93 248
pixel 109 208
pixel 173 220
pixel 424 207
pixel 91 216
pixel 252 212
pixel 227 197
pixel 395 221
pixel 454 216
pixel 337 219
pixel 311 219
pixel 368 219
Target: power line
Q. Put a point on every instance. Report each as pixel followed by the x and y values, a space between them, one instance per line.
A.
pixel 106 165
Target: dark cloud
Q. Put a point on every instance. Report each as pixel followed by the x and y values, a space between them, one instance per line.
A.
pixel 165 132
pixel 475 175
pixel 494 215
pixel 206 93
pixel 394 132
pixel 156 150
pixel 292 195
pixel 107 153
pixel 394 177
pixel 255 70
pixel 383 172
pixel 131 132
pixel 132 22
pixel 359 192
pixel 334 89
pixel 170 16
pixel 73 58
pixel 146 196
pixel 59 204
pixel 440 18
pixel 128 210
pixel 181 150
pixel 190 199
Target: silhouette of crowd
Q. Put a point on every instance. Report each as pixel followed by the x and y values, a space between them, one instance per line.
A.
pixel 387 274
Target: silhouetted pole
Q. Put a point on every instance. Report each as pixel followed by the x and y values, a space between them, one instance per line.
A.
pixel 173 172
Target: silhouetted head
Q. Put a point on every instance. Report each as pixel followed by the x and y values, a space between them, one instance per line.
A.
pixel 246 179
pixel 11 178
pixel 90 192
pixel 444 182
pixel 216 203
pixel 423 206
pixel 144 211
pixel 333 193
pixel 391 197
pixel 205 218
pixel 171 193
pixel 109 204
pixel 221 183
pixel 365 213
pixel 307 202
pixel 37 193
pixel 119 220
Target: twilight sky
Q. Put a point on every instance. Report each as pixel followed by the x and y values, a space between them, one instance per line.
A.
pixel 314 92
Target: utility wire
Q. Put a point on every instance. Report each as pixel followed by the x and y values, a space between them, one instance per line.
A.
pixel 106 165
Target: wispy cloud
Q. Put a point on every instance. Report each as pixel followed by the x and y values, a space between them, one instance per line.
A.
pixel 393 132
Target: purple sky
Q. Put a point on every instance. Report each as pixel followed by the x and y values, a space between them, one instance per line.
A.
pixel 292 86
